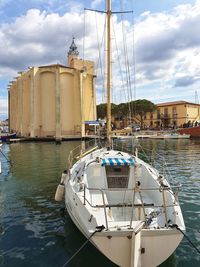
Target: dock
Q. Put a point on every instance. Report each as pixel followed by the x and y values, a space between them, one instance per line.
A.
pixel 50 139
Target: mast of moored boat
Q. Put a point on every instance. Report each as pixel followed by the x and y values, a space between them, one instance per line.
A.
pixel 108 74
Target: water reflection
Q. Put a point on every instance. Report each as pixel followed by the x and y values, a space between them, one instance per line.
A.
pixel 33 231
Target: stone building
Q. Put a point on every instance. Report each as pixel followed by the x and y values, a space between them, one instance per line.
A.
pixel 53 100
pixel 173 114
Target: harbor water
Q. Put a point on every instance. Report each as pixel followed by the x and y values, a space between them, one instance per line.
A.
pixel 35 231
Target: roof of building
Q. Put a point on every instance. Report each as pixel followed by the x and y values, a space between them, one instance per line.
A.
pixel 55 65
pixel 173 103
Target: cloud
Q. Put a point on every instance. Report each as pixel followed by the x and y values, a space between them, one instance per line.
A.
pixel 3 109
pixel 185 81
pixel 167 45
pixel 161 36
pixel 37 38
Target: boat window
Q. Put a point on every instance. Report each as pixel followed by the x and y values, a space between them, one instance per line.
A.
pixel 117 176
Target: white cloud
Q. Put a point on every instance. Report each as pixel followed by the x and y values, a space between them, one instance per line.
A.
pixel 169 42
pixel 3 108
pixel 145 14
pixel 167 46
pixel 37 38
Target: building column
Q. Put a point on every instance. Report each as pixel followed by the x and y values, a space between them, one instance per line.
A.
pixel 32 102
pixel 82 104
pixel 94 98
pixel 20 106
pixel 58 124
pixel 9 109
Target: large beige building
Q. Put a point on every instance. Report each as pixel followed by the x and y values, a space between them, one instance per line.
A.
pixel 54 100
pixel 173 114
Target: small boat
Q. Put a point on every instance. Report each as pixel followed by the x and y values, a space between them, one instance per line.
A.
pixel 169 136
pixel 154 136
pixel 194 132
pixel 125 207
pixel 4 136
pixel 125 137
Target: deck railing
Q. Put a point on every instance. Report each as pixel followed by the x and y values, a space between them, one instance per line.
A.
pixel 149 156
pixel 83 149
pixel 141 206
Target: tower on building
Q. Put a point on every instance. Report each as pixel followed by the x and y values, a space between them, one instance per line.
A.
pixel 72 53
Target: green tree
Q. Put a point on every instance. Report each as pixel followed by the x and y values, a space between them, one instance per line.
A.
pixel 141 107
pixel 120 110
pixel 102 110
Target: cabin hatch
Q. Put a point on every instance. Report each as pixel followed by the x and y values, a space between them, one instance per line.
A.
pixel 117 176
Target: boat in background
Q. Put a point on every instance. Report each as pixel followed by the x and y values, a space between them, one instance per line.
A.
pixel 193 131
pixel 153 135
pixel 4 136
pixel 169 136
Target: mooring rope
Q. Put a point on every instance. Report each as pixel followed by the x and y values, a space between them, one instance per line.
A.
pixel 5 157
pixel 188 239
pixel 99 229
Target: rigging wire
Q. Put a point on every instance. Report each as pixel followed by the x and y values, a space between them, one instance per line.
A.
pixel 125 49
pixel 99 63
pixel 84 32
pixel 5 157
pixel 134 64
pixel 119 61
pixel 100 45
pixel 129 87
pixel 188 239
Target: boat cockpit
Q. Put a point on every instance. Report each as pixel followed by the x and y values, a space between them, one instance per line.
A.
pixel 120 190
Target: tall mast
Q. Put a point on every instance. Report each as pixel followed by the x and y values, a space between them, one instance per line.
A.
pixel 108 73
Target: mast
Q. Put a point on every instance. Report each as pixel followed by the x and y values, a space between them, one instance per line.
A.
pixel 108 13
pixel 108 73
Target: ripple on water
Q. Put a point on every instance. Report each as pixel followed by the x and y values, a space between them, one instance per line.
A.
pixel 32 230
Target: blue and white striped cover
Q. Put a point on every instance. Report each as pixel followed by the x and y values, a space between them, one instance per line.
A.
pixel 117 161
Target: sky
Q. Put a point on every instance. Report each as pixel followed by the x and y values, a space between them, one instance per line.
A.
pixel 155 49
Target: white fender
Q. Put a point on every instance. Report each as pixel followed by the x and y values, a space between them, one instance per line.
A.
pixel 60 191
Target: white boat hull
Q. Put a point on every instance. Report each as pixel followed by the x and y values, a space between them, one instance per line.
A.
pixel 145 248
pixel 136 216
pixel 158 247
pixel 169 136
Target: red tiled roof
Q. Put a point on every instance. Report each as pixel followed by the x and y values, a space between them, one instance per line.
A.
pixel 181 102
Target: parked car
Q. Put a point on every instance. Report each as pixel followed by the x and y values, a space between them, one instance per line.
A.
pixel 133 127
pixel 136 127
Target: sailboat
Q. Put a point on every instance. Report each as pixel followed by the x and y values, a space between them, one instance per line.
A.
pixel 121 204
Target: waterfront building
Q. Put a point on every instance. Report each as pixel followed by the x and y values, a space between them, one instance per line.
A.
pixel 53 100
pixel 173 114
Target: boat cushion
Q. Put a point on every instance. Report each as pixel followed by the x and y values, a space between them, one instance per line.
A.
pixel 117 161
